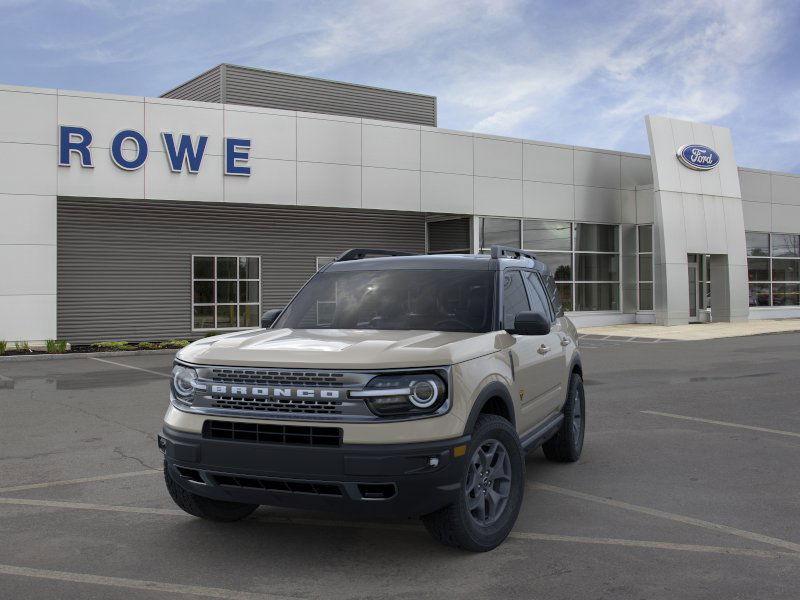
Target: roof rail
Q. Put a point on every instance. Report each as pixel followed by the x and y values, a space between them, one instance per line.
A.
pixel 359 253
pixel 508 251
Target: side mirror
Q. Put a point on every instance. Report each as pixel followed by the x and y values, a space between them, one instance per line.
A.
pixel 269 317
pixel 531 323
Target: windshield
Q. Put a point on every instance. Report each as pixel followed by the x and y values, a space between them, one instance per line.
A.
pixel 435 300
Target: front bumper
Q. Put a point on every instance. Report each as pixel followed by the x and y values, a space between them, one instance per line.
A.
pixel 379 480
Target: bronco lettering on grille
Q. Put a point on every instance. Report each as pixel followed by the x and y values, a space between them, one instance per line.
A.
pixel 274 392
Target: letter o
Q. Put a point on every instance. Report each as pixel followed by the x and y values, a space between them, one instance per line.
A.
pixel 141 150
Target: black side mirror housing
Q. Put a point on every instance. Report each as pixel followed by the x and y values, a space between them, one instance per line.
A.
pixel 531 323
pixel 269 317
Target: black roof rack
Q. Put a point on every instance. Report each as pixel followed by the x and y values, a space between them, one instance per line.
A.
pixel 508 251
pixel 359 253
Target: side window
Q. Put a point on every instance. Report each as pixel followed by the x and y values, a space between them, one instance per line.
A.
pixel 539 301
pixel 515 299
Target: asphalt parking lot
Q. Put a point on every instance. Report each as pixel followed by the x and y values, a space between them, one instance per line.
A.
pixel 689 487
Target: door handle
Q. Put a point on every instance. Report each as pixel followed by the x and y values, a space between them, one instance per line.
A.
pixel 565 341
pixel 543 349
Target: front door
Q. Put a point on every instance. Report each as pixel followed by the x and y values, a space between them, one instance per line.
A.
pixel 694 289
pixel 538 360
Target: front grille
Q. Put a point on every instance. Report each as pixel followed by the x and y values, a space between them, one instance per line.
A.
pixel 273 377
pixel 319 488
pixel 273 434
pixel 281 405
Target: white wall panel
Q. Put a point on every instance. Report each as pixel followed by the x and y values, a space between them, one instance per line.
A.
pixel 325 141
pixel 27 269
pixel 27 219
pixel 635 172
pixel 715 225
pixel 757 216
pixel 447 193
pixel 601 205
pixel 785 218
pixel 398 148
pixel 727 169
pixel 320 184
pixel 597 169
pixel 183 118
pixel 390 189
pixel 446 153
pixel 105 179
pixel 694 218
pixel 786 189
pixel 28 118
pixel 270 182
pixel 271 135
pixel 28 169
pixel 756 187
pixel 500 197
pixel 627 206
pixel 644 206
pixel 548 200
pixel 550 164
pixel 682 133
pixel 662 154
pixel 498 158
pixel 162 184
pixel 28 317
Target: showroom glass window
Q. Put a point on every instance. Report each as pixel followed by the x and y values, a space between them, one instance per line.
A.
pixel 773 267
pixel 644 251
pixel 583 257
pixel 226 292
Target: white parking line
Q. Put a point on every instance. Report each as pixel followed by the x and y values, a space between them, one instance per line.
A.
pixel 722 423
pixel 88 506
pixel 36 486
pixel 653 512
pixel 519 535
pixel 137 584
pixel 119 364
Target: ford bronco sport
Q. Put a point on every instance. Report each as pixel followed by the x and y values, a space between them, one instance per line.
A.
pixel 394 386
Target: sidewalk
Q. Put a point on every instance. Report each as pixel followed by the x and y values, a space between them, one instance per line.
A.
pixel 699 331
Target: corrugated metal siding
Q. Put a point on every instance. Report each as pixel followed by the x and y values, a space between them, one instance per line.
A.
pixel 269 89
pixel 449 235
pixel 124 267
pixel 206 87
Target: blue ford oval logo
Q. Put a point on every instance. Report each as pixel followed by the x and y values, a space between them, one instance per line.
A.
pixel 695 156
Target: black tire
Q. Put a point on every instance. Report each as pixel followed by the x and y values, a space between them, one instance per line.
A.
pixel 455 525
pixel 567 443
pixel 206 508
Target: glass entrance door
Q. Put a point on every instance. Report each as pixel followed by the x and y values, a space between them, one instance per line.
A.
pixel 694 288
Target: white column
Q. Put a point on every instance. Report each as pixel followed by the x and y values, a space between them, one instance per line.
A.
pixel 28 174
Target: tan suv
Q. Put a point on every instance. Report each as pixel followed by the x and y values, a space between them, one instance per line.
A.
pixel 392 386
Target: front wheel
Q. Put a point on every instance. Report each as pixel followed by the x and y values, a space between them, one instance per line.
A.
pixel 206 508
pixel 567 443
pixel 492 488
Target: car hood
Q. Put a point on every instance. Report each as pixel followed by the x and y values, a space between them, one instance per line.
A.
pixel 339 348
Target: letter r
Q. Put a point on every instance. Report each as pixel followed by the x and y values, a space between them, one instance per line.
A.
pixel 74 139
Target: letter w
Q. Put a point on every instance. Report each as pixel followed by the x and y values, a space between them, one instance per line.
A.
pixel 185 153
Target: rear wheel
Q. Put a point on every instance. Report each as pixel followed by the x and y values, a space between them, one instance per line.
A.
pixel 206 508
pixel 567 443
pixel 492 489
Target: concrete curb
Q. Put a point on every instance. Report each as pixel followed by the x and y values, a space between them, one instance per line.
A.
pixel 33 357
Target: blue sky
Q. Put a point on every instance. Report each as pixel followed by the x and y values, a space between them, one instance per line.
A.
pixel 582 73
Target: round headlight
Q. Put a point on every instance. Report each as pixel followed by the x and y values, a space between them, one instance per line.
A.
pixel 183 379
pixel 423 393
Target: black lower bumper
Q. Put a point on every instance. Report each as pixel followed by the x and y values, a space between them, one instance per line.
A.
pixel 386 480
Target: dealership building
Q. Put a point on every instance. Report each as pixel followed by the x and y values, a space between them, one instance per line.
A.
pixel 134 218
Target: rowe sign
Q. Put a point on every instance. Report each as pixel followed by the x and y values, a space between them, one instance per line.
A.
pixel 182 152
